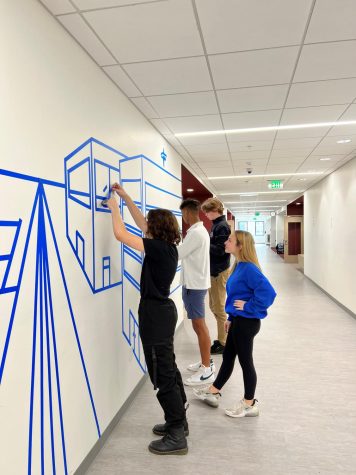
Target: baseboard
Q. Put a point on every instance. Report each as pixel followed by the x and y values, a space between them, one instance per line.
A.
pixel 84 466
pixel 347 310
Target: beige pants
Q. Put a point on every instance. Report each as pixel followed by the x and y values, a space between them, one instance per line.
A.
pixel 217 298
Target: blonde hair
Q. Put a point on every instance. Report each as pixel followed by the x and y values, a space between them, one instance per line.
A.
pixel 248 250
pixel 212 204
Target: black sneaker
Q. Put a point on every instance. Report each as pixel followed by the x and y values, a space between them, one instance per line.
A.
pixel 217 349
pixel 214 345
pixel 161 429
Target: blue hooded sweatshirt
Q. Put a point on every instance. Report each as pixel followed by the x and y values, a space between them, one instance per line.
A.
pixel 249 284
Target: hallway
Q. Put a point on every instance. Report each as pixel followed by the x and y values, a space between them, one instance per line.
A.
pixel 305 357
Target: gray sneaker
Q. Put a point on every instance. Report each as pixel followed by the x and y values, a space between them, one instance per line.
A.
pixel 243 410
pixel 207 397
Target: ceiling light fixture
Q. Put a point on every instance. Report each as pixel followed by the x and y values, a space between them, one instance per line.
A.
pixel 190 190
pixel 266 129
pixel 324 159
pixel 344 141
pixel 254 201
pixel 260 192
pixel 262 176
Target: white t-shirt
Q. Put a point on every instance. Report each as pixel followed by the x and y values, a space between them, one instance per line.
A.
pixel 194 253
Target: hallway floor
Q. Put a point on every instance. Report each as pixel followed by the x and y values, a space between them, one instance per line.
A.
pixel 305 357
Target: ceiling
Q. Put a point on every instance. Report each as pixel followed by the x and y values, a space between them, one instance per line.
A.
pixel 202 65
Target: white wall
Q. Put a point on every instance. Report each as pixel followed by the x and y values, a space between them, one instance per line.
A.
pixel 279 228
pixel 68 358
pixel 273 231
pixel 329 234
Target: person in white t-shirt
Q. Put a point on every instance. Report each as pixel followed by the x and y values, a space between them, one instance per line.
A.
pixel 194 253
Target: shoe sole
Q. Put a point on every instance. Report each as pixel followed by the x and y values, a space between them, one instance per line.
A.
pixel 173 452
pixel 162 434
pixel 199 383
pixel 241 415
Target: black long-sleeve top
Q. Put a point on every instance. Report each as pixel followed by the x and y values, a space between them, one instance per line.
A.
pixel 219 260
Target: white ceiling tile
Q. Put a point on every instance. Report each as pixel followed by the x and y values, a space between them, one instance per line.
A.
pixel 210 157
pixel 194 124
pixel 207 148
pixel 171 76
pixel 58 7
pixel 286 144
pixel 332 20
pixel 232 25
pixel 254 162
pixel 83 34
pixel 161 126
pixel 252 98
pixel 250 146
pixel 327 61
pixel 219 171
pixel 282 168
pixel 286 159
pixel 145 107
pixel 218 164
pixel 92 4
pixel 250 155
pixel 307 115
pixel 301 153
pixel 251 137
pixel 302 133
pixel 319 93
pixel 144 32
pixel 122 80
pixel 251 119
pixel 201 139
pixel 253 68
pixel 196 103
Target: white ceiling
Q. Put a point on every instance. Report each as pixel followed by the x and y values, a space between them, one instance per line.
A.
pixel 197 65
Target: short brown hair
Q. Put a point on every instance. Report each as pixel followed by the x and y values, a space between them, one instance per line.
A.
pixel 163 225
pixel 212 204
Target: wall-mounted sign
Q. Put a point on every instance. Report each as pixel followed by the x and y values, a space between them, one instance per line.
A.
pixel 275 184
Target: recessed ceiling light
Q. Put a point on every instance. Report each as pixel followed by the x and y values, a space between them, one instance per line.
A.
pixel 298 203
pixel 344 141
pixel 301 179
pixel 324 159
pixel 265 129
pixel 190 189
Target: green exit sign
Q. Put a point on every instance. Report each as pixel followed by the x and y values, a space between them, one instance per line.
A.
pixel 257 213
pixel 275 184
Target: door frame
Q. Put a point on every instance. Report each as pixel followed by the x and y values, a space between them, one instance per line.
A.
pixel 292 219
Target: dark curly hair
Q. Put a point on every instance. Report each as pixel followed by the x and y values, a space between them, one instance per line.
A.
pixel 163 225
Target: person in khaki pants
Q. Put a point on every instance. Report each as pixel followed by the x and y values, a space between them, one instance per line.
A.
pixel 219 268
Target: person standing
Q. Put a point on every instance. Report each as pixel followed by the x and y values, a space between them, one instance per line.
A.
pixel 249 294
pixel 219 268
pixel 194 254
pixel 157 315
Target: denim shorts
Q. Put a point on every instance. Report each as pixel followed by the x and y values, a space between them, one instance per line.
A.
pixel 194 302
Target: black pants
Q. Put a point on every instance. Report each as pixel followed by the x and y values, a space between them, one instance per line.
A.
pixel 239 343
pixel 157 322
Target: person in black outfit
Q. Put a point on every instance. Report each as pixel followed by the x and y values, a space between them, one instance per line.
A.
pixel 219 268
pixel 157 315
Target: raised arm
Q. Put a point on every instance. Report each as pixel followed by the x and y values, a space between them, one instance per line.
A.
pixel 138 217
pixel 120 230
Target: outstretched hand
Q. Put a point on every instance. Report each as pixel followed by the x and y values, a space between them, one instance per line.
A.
pixel 116 188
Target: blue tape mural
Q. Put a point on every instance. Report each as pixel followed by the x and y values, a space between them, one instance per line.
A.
pixel 89 172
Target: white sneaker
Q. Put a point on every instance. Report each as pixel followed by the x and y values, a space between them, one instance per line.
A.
pixel 243 410
pixel 206 396
pixel 203 376
pixel 194 367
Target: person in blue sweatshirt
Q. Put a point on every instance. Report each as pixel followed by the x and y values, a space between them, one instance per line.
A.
pixel 249 294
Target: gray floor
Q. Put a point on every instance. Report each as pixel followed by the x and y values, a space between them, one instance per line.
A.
pixel 305 357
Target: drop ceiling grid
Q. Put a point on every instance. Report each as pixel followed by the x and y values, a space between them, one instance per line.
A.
pixel 295 90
